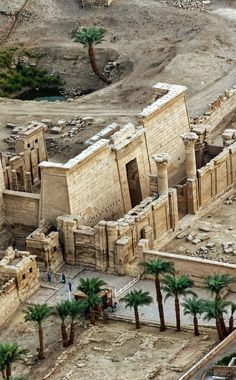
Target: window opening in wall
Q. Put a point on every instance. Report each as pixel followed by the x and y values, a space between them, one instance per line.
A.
pixel 133 182
pixel 23 276
pixel 30 270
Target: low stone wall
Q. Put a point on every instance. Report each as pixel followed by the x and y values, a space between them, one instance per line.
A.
pixel 21 208
pixel 9 300
pixel 215 351
pixel 196 269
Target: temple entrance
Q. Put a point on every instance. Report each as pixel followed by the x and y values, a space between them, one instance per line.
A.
pixel 133 182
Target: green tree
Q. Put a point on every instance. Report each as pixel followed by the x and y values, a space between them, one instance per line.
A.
pixel 134 299
pixel 214 309
pixel 195 307
pixel 61 310
pixel 38 314
pixel 231 319
pixel 89 37
pixel 92 303
pixel 176 287
pixel 75 311
pixel 93 285
pixel 157 268
pixel 9 354
pixel 216 284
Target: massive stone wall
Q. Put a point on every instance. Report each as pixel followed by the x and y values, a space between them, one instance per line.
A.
pixel 164 121
pixel 111 176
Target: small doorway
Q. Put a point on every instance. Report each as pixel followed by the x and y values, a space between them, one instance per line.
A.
pixel 133 182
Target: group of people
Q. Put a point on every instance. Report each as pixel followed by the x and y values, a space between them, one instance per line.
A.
pixel 62 279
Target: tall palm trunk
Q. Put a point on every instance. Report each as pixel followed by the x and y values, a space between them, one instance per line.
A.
pixel 195 323
pixel 64 334
pixel 136 316
pixel 177 314
pixel 223 327
pixel 95 67
pixel 72 332
pixel 92 317
pixel 8 372
pixel 231 324
pixel 160 304
pixel 41 348
pixel 218 327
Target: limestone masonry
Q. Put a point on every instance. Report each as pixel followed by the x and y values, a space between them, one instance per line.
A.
pixel 115 203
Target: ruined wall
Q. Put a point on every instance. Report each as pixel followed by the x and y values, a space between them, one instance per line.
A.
pixel 21 208
pixel 164 121
pixel 9 300
pixel 217 176
pixel 22 215
pixel 112 245
pixel 215 118
pixel 21 266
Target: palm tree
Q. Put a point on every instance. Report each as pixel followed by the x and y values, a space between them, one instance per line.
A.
pixel 134 299
pixel 194 307
pixel 10 353
pixel 75 311
pixel 157 268
pixel 92 303
pixel 89 37
pixel 92 285
pixel 38 314
pixel 214 309
pixel 176 287
pixel 215 284
pixel 231 319
pixel 61 310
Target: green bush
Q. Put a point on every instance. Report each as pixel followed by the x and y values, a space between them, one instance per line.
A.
pixel 225 361
pixel 15 79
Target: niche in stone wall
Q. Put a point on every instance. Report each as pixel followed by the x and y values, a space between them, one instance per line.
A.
pixel 133 182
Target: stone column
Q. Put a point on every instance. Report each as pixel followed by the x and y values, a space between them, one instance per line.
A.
pixel 162 160
pixel 189 140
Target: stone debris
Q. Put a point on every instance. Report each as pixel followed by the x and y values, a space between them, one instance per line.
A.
pixel 198 5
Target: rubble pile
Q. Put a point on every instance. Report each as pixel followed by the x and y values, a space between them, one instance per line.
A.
pixel 56 131
pixel 198 5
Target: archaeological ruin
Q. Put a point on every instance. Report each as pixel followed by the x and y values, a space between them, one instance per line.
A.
pixel 124 196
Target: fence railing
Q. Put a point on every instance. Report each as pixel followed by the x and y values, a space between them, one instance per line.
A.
pixel 117 293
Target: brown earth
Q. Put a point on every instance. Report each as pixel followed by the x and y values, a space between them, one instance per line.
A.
pixel 112 351
pixel 151 41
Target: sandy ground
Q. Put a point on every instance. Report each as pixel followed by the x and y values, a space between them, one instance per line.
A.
pixel 113 351
pixel 211 231
pixel 151 41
